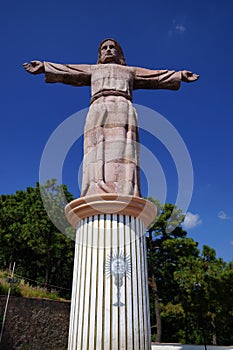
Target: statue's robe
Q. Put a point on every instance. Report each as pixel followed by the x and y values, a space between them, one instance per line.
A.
pixel 111 141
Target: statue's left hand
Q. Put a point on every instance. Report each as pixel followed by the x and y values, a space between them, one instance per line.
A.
pixel 34 67
pixel 188 76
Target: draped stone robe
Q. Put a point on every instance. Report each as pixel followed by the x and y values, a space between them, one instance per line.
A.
pixel 111 141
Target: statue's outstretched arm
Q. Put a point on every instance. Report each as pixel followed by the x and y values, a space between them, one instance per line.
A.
pixel 161 79
pixel 188 76
pixel 34 67
pixel 72 74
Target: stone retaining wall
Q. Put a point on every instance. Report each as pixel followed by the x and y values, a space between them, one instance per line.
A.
pixel 35 324
pixel 39 324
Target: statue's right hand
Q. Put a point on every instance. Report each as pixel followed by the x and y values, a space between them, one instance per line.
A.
pixel 34 67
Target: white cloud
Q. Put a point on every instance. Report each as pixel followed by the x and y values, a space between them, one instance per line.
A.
pixel 177 27
pixel 231 242
pixel 223 216
pixel 191 220
pixel 180 28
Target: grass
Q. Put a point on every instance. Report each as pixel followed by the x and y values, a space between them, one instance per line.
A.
pixel 24 289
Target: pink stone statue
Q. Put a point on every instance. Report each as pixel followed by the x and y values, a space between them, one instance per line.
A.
pixel 111 142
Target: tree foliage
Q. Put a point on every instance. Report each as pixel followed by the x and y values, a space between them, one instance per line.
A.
pixel 29 238
pixel 190 291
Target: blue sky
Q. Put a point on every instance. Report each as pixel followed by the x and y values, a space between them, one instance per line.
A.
pixel 166 34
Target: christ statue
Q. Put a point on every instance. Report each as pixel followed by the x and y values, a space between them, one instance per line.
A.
pixel 111 140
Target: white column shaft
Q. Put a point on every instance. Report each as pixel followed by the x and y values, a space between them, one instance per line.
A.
pixel 110 306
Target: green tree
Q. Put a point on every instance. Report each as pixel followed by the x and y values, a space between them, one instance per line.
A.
pixel 190 291
pixel 162 259
pixel 206 284
pixel 28 237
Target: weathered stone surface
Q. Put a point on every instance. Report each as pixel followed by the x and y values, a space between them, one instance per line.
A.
pixel 111 130
pixel 35 324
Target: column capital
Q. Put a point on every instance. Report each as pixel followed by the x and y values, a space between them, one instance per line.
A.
pixel 110 203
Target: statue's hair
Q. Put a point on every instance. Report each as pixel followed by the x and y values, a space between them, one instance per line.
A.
pixel 119 49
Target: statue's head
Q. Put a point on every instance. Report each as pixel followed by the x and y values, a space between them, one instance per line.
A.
pixel 110 51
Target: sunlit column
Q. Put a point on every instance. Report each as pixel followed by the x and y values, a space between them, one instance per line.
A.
pixel 110 304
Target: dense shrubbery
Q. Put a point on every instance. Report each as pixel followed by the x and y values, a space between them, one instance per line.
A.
pixel 21 288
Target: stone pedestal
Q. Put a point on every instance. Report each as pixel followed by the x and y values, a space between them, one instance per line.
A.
pixel 110 305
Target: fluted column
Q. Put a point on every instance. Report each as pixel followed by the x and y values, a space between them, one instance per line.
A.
pixel 110 306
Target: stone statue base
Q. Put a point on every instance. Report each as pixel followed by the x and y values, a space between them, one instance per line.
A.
pixel 110 203
pixel 110 301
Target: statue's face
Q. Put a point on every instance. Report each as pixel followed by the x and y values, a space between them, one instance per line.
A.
pixel 109 52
